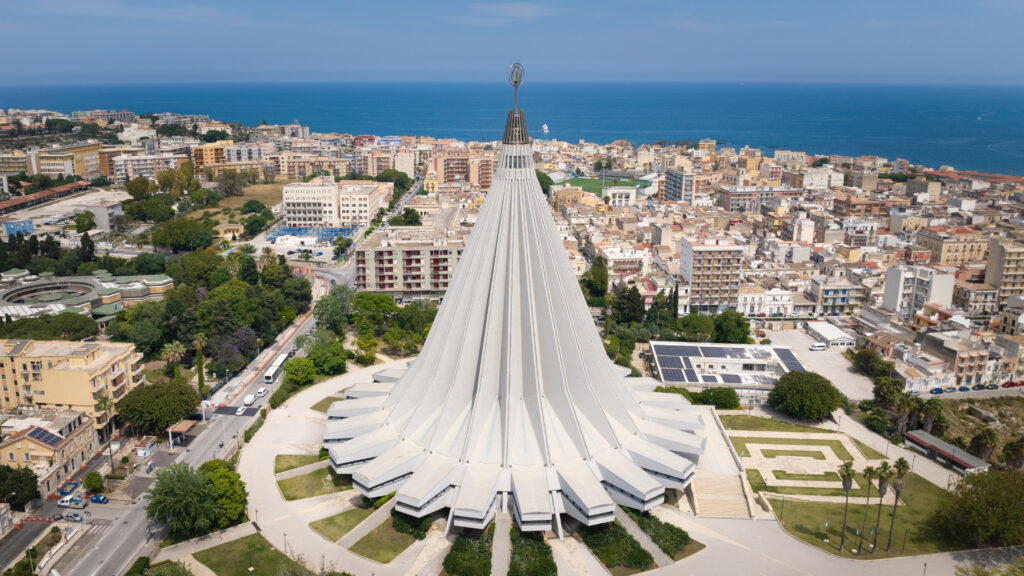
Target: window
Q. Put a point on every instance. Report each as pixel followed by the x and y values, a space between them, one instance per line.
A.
pixel 10 455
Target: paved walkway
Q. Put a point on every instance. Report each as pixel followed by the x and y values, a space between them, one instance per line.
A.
pixel 501 549
pixel 660 558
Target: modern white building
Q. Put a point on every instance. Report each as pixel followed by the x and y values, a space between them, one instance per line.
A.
pixel 148 166
pixel 619 196
pixel 830 335
pixel 323 203
pixel 513 404
pixel 909 288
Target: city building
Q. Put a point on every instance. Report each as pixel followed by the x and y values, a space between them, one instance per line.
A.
pixel 1005 268
pixel 830 335
pixel 975 298
pixel 952 245
pixel 712 267
pixel 751 198
pixel 147 166
pixel 55 445
pixel 81 159
pixel 107 156
pixel 323 203
pixel 909 288
pixel 12 163
pixel 835 296
pixel 105 212
pixel 513 404
pixel 679 185
pixel 58 375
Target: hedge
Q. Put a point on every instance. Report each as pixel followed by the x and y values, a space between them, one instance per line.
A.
pixel 415 527
pixel 251 430
pixel 138 567
pixel 671 539
pixel 470 556
pixel 615 547
pixel 531 555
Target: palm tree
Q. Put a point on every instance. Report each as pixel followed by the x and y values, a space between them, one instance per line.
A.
pixel 903 405
pixel 869 475
pixel 847 473
pixel 883 474
pixel 172 353
pixel 984 443
pixel 902 468
pixel 106 404
pixel 267 256
pixel 931 410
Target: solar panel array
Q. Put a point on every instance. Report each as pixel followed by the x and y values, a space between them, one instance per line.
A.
pixel 677 367
pixel 45 436
pixel 789 360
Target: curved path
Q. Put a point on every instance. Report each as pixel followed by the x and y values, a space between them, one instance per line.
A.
pixel 744 546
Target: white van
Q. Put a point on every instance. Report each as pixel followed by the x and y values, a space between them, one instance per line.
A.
pixel 249 400
pixel 817 347
pixel 261 392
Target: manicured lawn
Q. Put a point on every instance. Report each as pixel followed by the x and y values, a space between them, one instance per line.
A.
pixel 869 452
pixel 743 422
pixel 740 444
pixel 334 527
pixel 616 549
pixel 594 185
pixel 826 477
pixel 234 558
pixel 798 453
pixel 383 544
pixel 324 404
pixel 806 520
pixel 316 483
pixel 285 462
pixel 860 490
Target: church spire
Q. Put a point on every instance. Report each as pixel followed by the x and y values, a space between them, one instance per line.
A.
pixel 515 126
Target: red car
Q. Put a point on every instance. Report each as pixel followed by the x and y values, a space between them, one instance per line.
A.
pixel 1012 384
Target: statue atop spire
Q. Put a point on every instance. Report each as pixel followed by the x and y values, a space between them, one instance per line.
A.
pixel 515 78
pixel 515 127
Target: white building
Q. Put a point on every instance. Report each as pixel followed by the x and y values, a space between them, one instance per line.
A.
pixel 147 166
pixel 830 335
pixel 909 288
pixel 323 203
pixel 822 178
pixel 757 301
pixel 619 196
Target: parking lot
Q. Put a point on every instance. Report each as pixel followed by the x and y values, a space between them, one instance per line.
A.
pixel 829 363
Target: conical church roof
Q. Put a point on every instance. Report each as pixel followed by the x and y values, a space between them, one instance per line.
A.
pixel 513 402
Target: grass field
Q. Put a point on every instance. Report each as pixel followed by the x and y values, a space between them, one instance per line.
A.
pixel 334 527
pixel 234 558
pixel 324 404
pixel 869 452
pixel 806 520
pixel 285 462
pixel 740 444
pixel 757 484
pixel 316 483
pixel 826 477
pixel 817 455
pixel 594 185
pixel 743 422
pixel 269 194
pixel 383 544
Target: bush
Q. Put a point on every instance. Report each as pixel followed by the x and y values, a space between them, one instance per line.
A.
pixel 615 547
pixel 671 539
pixel 114 476
pixel 93 482
pixel 984 509
pixel 382 500
pixel 415 527
pixel 877 421
pixel 283 392
pixel 721 398
pixel 251 430
pixel 470 556
pixel 804 395
pixel 531 555
pixel 138 567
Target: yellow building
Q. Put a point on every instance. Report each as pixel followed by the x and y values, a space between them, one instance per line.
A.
pixel 952 245
pixel 570 196
pixel 67 375
pixel 54 445
pixel 211 153
pixel 83 158
pixel 12 163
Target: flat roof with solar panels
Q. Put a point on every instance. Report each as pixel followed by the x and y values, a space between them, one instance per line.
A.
pixel 750 369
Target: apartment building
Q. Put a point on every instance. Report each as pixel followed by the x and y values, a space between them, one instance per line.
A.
pixel 58 375
pixel 1005 268
pixel 297 166
pixel 679 185
pixel 619 196
pixel 835 296
pixel 243 152
pixel 210 153
pixel 931 189
pixel 323 203
pixel 909 288
pixel 975 298
pixel 360 200
pixel 81 159
pixel 751 198
pixel 53 444
pixel 952 245
pixel 712 267
pixel 758 301
pixel 967 359
pixel 707 145
pixel 12 163
pixel 410 263
pixel 147 166
pixel 108 155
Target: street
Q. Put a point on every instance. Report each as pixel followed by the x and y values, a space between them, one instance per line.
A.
pixel 110 550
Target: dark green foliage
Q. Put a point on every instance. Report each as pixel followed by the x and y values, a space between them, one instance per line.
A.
pixel 671 539
pixel 531 555
pixel 470 555
pixel 251 430
pixel 228 489
pixel 721 398
pixel 329 358
pixel 1013 453
pixel 697 327
pixel 628 305
pixel 153 407
pixel 21 484
pixel 595 281
pixel 408 217
pixel 182 234
pixel 804 395
pixel 984 509
pixel 173 130
pixel 63 326
pixel 184 498
pixel 415 527
pixel 545 182
pixel 93 482
pixel 615 547
pixel 138 567
pixel 731 327
pixel 872 364
pixel 877 421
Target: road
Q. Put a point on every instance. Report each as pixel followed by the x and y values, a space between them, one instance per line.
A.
pixel 111 550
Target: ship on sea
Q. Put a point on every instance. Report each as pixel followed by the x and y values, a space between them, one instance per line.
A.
pixel 544 129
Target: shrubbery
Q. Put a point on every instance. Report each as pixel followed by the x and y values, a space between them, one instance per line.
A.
pixel 615 547
pixel 251 430
pixel 671 539
pixel 805 395
pixel 470 556
pixel 531 555
pixel 415 527
pixel 721 398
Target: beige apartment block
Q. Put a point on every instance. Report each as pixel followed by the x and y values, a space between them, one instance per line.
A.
pixel 1005 268
pixel 712 267
pixel 952 245
pixel 56 445
pixel 59 375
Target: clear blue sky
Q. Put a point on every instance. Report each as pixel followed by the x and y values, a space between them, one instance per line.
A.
pixel 885 41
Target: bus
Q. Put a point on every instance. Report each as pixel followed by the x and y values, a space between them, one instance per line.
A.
pixel 271 374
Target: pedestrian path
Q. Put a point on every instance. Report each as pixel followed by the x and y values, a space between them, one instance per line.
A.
pixel 501 548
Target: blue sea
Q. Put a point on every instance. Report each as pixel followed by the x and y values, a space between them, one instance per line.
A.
pixel 971 128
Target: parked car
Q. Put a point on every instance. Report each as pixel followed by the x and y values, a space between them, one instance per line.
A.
pixel 965 389
pixel 99 499
pixel 950 389
pixel 1009 384
pixel 935 391
pixel 73 517
pixel 991 387
pixel 978 387
pixel 915 392
pixel 240 411
pixel 817 347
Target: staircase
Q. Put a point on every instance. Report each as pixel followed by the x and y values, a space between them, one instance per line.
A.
pixel 720 495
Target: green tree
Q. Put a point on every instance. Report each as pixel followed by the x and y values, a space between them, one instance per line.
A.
pixel 869 475
pixel 900 471
pixel 184 498
pixel 341 246
pixel 846 473
pixel 884 474
pixel 106 405
pixel 152 408
pixel 248 272
pixel 1013 452
pixel 805 395
pixel 84 221
pixel 299 372
pixel 232 183
pixel 598 275
pixel 628 305
pixel 377 308
pixel 182 234
pixel 932 410
pixel 93 482
pixel 20 484
pixel 731 327
pixel 984 509
pixel 368 346
pixel 329 358
pixel 86 248
pixel 199 343
pixel 545 182
pixel 697 327
pixel 229 490
pixel 253 207
pixel 886 391
pixel 984 443
pixel 139 188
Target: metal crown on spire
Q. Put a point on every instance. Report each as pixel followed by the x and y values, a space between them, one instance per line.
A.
pixel 515 127
pixel 515 78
